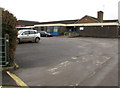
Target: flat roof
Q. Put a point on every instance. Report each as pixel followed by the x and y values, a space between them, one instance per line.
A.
pixel 94 24
pixel 83 24
pixel 67 25
pixel 49 25
pixel 26 27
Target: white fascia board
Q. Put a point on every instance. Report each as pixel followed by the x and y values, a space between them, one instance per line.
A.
pixel 94 24
pixel 49 25
pixel 26 27
pixel 29 26
pixel 84 24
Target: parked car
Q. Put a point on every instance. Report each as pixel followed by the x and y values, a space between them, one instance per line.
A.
pixel 45 34
pixel 28 35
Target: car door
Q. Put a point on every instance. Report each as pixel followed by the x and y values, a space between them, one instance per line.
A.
pixel 25 36
pixel 32 35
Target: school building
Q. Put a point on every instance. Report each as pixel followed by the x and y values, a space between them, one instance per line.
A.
pixel 87 26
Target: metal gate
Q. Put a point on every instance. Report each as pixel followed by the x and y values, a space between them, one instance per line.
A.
pixel 3 52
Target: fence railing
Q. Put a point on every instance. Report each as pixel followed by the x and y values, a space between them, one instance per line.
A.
pixel 4 51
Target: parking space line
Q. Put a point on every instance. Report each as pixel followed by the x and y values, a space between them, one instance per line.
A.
pixel 17 80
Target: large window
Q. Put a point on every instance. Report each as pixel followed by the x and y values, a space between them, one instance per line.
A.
pixel 42 28
pixel 55 29
pixel 48 29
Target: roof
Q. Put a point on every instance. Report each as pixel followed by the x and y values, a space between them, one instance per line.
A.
pixel 81 24
pixel 94 24
pixel 27 23
pixel 60 22
pixel 110 21
pixel 96 19
pixel 93 18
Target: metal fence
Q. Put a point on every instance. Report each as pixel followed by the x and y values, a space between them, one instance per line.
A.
pixel 3 51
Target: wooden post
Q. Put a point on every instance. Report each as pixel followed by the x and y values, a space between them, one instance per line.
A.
pixel 7 47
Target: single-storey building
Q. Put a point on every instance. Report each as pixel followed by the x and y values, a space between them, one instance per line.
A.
pixel 54 27
pixel 86 26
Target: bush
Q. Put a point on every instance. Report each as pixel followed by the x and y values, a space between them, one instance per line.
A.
pixel 66 33
pixel 9 23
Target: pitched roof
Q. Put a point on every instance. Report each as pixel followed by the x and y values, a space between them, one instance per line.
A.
pixel 110 20
pixel 27 23
pixel 93 18
pixel 60 22
pixel 31 23
pixel 96 19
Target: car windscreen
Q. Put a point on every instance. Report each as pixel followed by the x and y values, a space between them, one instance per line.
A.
pixel 19 32
pixel 43 32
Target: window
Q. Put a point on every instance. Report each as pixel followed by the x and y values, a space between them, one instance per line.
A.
pixel 48 29
pixel 42 32
pixel 25 33
pixel 42 28
pixel 55 29
pixel 32 32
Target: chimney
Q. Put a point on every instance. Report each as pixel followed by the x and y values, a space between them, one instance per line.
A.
pixel 100 16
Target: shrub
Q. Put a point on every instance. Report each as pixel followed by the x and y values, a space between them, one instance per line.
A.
pixel 9 23
pixel 66 33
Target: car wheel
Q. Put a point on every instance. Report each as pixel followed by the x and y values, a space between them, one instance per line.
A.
pixel 37 40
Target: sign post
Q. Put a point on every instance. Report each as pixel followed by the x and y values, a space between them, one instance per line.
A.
pixel 118 30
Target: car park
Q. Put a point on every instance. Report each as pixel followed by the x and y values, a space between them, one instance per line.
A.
pixel 28 35
pixel 45 34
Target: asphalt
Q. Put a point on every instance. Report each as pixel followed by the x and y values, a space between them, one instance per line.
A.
pixel 7 80
pixel 68 62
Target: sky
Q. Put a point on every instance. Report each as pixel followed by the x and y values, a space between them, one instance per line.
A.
pixel 55 10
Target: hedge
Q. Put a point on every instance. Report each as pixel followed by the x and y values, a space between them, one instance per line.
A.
pixel 9 22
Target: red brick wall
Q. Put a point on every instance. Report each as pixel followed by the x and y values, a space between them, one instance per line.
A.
pixel 86 19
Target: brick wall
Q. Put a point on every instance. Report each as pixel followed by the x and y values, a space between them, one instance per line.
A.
pixel 105 31
pixel 87 19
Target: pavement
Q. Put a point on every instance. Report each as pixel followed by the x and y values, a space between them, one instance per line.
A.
pixel 68 62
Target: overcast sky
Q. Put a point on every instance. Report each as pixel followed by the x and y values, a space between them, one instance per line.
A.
pixel 54 10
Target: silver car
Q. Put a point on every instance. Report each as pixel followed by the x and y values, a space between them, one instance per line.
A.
pixel 28 35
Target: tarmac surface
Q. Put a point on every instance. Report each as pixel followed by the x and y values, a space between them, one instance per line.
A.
pixel 68 62
pixel 7 80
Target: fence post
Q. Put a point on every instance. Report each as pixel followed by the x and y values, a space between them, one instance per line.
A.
pixel 7 47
